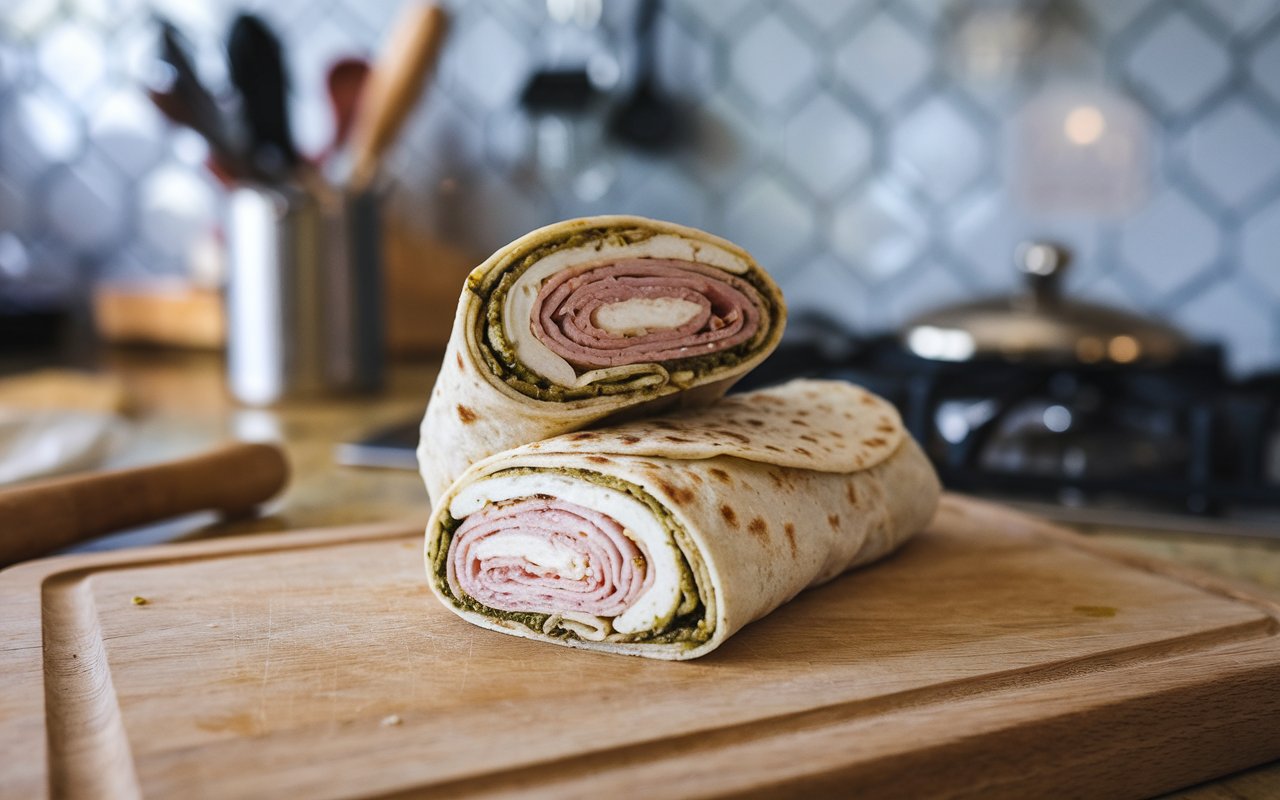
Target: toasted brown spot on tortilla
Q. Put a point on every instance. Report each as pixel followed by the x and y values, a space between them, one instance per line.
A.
pixel 677 493
pixel 598 459
pixel 790 530
pixel 629 439
pixel 803 451
pixel 837 434
pixel 874 441
pixel 867 400
pixel 721 475
pixel 729 516
pixel 834 521
pixel 578 437
pixel 733 435
pixel 802 413
pixel 776 478
pixel 461 365
pixel 773 447
pixel 758 527
pixel 755 423
pixel 807 438
pixel 678 439
pixel 851 492
pixel 466 415
pixel 696 478
pixel 663 424
pixel 799 423
pixel 885 426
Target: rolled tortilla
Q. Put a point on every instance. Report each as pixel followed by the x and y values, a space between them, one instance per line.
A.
pixel 585 319
pixel 663 537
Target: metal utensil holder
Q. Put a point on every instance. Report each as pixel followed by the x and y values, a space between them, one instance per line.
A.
pixel 304 293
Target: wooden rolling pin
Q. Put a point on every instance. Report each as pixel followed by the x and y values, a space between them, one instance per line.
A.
pixel 393 87
pixel 41 517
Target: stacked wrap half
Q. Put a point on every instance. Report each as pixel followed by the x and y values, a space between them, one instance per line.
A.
pixel 663 537
pixel 588 319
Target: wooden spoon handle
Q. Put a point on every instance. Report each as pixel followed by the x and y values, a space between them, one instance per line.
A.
pixel 394 85
pixel 40 517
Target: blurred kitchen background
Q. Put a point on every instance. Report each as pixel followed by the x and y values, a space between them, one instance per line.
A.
pixel 879 157
pixel 882 158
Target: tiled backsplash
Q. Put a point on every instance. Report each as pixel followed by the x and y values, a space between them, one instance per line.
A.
pixel 878 157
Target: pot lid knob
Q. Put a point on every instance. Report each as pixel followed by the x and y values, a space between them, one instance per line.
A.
pixel 1043 263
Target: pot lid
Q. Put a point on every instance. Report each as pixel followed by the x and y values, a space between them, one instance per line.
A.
pixel 1040 324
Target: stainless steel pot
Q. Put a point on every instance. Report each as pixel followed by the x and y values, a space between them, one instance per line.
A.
pixel 1041 325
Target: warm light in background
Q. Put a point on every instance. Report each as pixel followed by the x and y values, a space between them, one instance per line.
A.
pixel 1084 125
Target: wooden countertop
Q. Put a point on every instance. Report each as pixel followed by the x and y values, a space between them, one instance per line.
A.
pixel 180 406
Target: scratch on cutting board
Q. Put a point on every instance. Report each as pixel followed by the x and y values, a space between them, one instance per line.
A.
pixel 266 665
pixel 466 667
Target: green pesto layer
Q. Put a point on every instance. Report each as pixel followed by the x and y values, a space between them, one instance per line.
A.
pixel 500 356
pixel 691 623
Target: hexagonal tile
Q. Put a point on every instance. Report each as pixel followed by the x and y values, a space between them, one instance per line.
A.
pixel 1235 151
pixel 827 286
pixel 685 63
pixel 929 12
pixel 985 233
pixel 666 193
pixel 770 221
pixel 772 63
pixel 1241 16
pixel 471 63
pixel 39 128
pixel 15 264
pixel 26 19
pixel 129 130
pixel 1169 242
pixel 726 142
pixel 14 207
pixel 1228 314
pixel 176 205
pixel 878 231
pixel 826 144
pixel 1264 66
pixel 85 204
pixel 1260 247
pixel 826 15
pixel 930 286
pixel 1112 16
pixel 884 62
pixel 938 149
pixel 720 16
pixel 1177 64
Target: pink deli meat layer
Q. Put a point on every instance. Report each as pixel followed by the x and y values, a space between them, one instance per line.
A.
pixel 564 312
pixel 616 567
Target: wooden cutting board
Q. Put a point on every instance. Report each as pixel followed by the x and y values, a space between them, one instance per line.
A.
pixel 993 656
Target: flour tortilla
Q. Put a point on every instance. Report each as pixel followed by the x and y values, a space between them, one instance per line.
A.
pixel 754 528
pixel 481 402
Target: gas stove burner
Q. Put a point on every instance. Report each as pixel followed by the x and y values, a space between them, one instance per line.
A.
pixel 1178 435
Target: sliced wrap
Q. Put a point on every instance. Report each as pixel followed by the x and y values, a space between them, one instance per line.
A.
pixel 663 537
pixel 584 319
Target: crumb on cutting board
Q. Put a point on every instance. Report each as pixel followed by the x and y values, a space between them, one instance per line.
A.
pixel 139 600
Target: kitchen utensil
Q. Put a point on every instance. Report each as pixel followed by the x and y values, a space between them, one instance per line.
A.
pixel 345 82
pixel 304 298
pixel 995 655
pixel 393 87
pixel 257 70
pixel 184 100
pixel 38 518
pixel 1042 325
pixel 647 119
